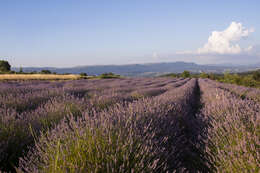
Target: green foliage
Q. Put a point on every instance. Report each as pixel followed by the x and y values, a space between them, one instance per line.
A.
pixel 45 72
pixel 33 72
pixel 249 79
pixel 109 75
pixel 82 154
pixel 204 75
pixel 185 74
pixel 83 74
pixel 4 66
pixel 169 75
pixel 256 75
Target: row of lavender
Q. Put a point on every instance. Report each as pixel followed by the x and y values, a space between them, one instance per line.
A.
pixel 241 91
pixel 27 96
pixel 28 109
pixel 233 139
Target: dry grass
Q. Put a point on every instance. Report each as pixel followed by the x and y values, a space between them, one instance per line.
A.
pixel 38 77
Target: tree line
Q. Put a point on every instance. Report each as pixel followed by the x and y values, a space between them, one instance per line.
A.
pixel 249 79
pixel 5 68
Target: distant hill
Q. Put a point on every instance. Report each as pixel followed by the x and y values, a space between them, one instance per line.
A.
pixel 151 69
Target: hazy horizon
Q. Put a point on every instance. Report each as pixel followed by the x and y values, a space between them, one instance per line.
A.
pixel 75 66
pixel 55 33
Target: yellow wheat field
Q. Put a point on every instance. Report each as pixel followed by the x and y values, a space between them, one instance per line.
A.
pixel 38 77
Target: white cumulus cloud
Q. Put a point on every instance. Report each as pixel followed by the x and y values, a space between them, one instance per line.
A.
pixel 221 47
pixel 226 42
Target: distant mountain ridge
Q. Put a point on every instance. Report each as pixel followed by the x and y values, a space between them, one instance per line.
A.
pixel 151 69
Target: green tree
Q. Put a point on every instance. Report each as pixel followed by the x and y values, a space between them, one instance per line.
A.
pixel 204 75
pixel 4 66
pixel 256 75
pixel 185 74
pixel 109 75
pixel 228 77
pixel 237 79
pixel 46 72
pixel 83 74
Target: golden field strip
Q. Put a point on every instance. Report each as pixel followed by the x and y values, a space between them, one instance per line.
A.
pixel 38 77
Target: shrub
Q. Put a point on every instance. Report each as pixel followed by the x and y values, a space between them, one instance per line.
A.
pixel 185 74
pixel 83 74
pixel 204 75
pixel 4 66
pixel 45 72
pixel 256 75
pixel 109 75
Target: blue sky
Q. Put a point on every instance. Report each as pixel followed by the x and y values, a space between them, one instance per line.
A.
pixel 64 33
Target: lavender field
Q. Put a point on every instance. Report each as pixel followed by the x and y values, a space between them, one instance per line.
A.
pixel 129 125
